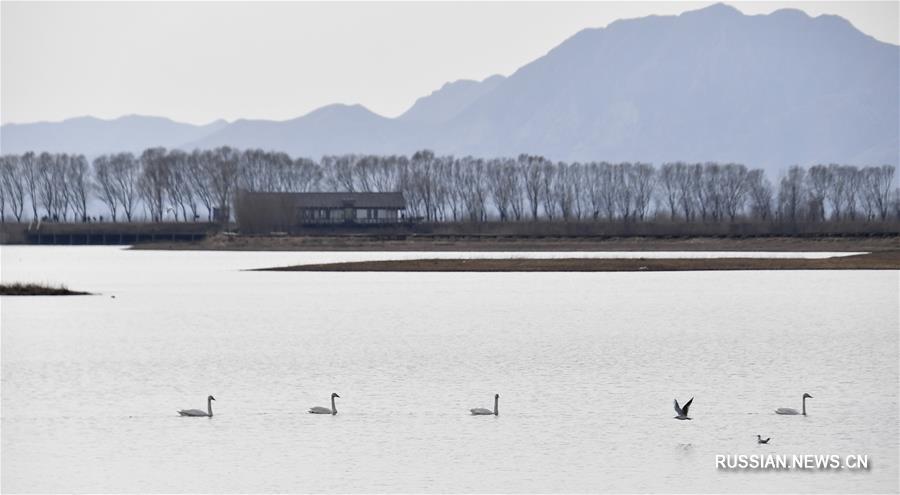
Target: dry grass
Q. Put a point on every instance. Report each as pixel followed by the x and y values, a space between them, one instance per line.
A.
pixel 531 243
pixel 26 289
pixel 887 260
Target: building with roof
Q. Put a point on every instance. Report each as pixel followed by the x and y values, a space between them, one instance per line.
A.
pixel 279 211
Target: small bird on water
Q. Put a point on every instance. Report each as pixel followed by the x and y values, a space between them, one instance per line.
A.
pixel 759 439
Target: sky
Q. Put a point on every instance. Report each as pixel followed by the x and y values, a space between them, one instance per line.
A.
pixel 201 61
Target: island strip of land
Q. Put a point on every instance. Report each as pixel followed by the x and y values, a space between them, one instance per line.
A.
pixel 886 260
pixel 25 289
pixel 521 243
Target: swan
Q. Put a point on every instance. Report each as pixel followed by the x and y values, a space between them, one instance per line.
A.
pixel 759 439
pixel 789 411
pixel 480 411
pixel 199 412
pixel 682 412
pixel 325 410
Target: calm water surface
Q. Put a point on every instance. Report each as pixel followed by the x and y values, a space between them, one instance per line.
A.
pixel 587 365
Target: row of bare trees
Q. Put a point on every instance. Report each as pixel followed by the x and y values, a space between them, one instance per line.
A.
pixel 165 184
pixel 156 185
pixel 59 185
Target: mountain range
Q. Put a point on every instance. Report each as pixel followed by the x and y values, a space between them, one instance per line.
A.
pixel 711 84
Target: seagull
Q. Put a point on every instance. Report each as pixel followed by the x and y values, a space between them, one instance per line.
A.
pixel 759 439
pixel 682 412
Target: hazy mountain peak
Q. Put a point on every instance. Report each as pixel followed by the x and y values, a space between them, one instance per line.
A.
pixel 790 14
pixel 715 10
pixel 92 135
pixel 447 102
pixel 710 84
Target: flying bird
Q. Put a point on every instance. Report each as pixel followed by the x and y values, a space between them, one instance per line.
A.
pixel 682 412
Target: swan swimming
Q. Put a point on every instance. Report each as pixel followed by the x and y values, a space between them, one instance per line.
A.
pixel 682 412
pixel 759 439
pixel 480 411
pixel 325 410
pixel 199 412
pixel 789 411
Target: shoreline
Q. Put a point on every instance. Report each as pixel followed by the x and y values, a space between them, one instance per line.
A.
pixel 25 289
pixel 886 260
pixel 443 243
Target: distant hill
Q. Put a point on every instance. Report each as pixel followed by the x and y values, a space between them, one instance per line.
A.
pixel 330 129
pixel 449 101
pixel 92 136
pixel 711 84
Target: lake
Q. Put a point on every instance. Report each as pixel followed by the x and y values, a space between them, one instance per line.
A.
pixel 586 365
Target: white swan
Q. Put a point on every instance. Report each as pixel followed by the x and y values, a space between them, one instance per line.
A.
pixel 789 411
pixel 199 412
pixel 325 410
pixel 480 411
pixel 682 412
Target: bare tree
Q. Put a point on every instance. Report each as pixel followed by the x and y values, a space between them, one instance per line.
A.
pixel 852 179
pixel 64 162
pixel 154 181
pixel 688 181
pixel 792 195
pixel 48 184
pixel 198 164
pixel 733 184
pixel 31 172
pixel 222 172
pixel 105 184
pixel 819 181
pixel 708 192
pixel 564 190
pixel 879 183
pixel 423 171
pixel 178 187
pixel 78 178
pixel 473 189
pixel 548 185
pixel 305 175
pixel 126 173
pixel 836 191
pixel 760 190
pixel 643 183
pixel 531 168
pixel 622 192
pixel 669 190
pixel 501 182
pixel 3 190
pixel 13 183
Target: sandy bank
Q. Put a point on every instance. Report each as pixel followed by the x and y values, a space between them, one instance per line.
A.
pixel 886 260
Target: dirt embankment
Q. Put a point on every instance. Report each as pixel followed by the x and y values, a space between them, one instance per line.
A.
pixel 887 260
pixel 530 243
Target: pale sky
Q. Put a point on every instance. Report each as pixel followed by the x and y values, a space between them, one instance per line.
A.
pixel 197 62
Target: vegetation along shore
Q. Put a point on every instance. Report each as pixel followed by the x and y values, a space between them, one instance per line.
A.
pixel 28 289
pixel 516 243
pixel 888 260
